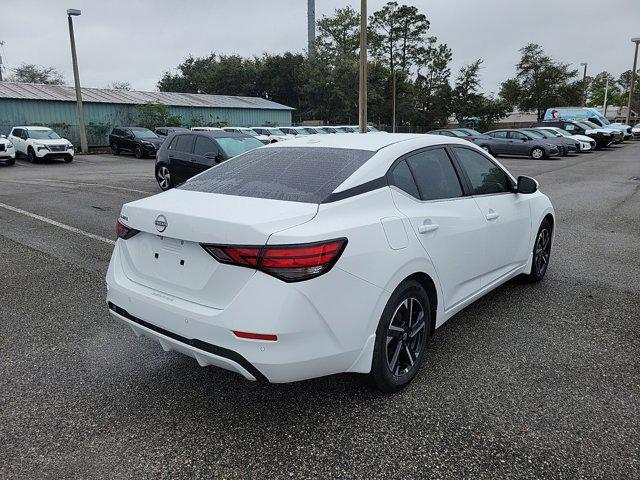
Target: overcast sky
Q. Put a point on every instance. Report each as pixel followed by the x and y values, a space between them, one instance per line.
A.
pixel 138 40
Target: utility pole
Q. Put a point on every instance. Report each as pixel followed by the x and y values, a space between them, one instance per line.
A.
pixel 72 12
pixel 635 40
pixel 393 101
pixel 584 85
pixel 311 27
pixel 1 64
pixel 362 103
pixel 606 97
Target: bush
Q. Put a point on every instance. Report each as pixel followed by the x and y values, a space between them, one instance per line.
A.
pixel 154 115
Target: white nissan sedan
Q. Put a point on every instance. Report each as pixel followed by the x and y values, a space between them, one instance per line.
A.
pixel 326 254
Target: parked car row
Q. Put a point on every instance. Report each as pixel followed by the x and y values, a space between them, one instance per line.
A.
pixel 546 139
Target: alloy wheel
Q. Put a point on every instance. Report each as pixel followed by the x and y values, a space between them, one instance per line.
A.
pixel 404 340
pixel 164 178
pixel 542 251
pixel 537 153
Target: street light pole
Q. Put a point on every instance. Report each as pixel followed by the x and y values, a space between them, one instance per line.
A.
pixel 606 97
pixel 635 40
pixel 362 110
pixel 72 12
pixel 584 85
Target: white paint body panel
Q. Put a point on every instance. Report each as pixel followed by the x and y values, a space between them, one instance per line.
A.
pixel 325 325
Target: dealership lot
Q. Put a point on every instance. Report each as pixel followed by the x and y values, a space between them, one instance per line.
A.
pixel 531 381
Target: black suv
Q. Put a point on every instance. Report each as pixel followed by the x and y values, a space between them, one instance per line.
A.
pixel 185 154
pixel 140 141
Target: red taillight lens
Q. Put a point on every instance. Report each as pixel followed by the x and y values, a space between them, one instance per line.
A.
pixel 291 263
pixel 125 232
pixel 256 336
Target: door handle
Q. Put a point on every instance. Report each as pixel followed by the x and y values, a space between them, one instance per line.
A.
pixel 428 227
pixel 492 215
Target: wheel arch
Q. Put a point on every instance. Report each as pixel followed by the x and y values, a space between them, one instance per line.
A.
pixel 432 293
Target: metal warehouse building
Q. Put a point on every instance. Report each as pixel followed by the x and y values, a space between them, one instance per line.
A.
pixel 55 106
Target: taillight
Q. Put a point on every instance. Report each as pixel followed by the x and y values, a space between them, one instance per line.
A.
pixel 291 263
pixel 125 232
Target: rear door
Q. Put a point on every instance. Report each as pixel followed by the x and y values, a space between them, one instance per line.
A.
pixel 427 189
pixel 506 215
pixel 500 143
pixel 179 152
pixel 204 155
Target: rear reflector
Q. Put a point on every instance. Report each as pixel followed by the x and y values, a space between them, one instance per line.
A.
pixel 291 263
pixel 256 336
pixel 125 232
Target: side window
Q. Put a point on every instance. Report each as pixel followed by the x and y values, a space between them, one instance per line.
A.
pixel 485 176
pixel 183 143
pixel 570 127
pixel 435 175
pixel 499 134
pixel 402 178
pixel 204 145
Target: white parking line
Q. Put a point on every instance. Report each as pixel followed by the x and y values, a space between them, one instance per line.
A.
pixel 57 224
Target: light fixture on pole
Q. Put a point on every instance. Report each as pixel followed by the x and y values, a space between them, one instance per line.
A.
pixel 635 40
pixel 72 12
pixel 362 104
pixel 584 84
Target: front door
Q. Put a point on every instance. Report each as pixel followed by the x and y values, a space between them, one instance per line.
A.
pixel 506 214
pixel 426 188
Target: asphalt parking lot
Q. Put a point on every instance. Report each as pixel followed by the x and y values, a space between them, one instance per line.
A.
pixel 532 381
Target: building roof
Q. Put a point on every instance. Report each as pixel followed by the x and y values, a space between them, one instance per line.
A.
pixel 64 93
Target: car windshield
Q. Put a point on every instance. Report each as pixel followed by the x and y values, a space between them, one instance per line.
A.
pixel 562 132
pixel 470 131
pixel 372 129
pixel 545 133
pixel 248 131
pixel 532 134
pixel 301 131
pixel 235 146
pixel 43 134
pixel 345 129
pixel 589 124
pixel 144 134
pixel 329 130
pixel 276 131
pixel 458 133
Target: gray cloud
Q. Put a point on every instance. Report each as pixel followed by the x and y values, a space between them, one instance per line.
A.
pixel 138 40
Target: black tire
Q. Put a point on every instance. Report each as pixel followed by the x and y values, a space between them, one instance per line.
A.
pixel 487 149
pixel 537 153
pixel 397 361
pixel 31 155
pixel 138 151
pixel 541 253
pixel 164 177
pixel 115 149
pixel 68 159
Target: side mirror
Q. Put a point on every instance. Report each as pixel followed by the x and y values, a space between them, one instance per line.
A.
pixel 3 136
pixel 525 139
pixel 527 185
pixel 558 135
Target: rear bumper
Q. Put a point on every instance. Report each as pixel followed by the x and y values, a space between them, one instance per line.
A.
pixel 322 325
pixel 205 354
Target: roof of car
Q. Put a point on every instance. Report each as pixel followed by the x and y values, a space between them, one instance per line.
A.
pixel 214 133
pixel 372 141
pixel 32 127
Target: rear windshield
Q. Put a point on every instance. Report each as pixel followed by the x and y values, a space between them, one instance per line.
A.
pixel 296 174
